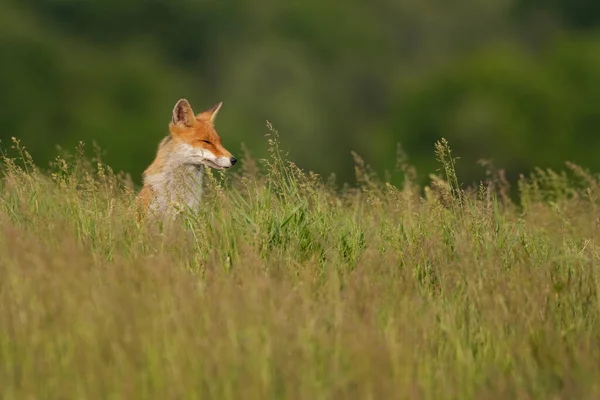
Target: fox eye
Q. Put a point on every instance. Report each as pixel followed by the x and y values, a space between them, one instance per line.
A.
pixel 207 141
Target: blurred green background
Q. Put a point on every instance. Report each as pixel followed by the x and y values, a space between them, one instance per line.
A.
pixel 515 81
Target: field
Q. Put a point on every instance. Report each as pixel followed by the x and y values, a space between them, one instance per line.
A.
pixel 286 287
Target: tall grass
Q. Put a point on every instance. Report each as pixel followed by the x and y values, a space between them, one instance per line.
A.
pixel 283 286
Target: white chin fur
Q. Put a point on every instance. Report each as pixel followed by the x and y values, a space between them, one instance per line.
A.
pixel 203 156
pixel 222 163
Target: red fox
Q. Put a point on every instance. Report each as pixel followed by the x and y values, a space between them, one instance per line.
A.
pixel 175 176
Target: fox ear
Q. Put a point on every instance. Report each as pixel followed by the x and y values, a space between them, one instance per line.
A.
pixel 183 115
pixel 211 113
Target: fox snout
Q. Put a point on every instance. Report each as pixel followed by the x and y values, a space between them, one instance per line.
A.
pixel 221 162
pixel 230 163
pixel 223 157
pixel 226 162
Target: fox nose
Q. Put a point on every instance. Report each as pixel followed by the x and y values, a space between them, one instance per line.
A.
pixel 233 160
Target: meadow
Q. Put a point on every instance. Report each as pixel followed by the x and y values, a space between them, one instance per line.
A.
pixel 286 286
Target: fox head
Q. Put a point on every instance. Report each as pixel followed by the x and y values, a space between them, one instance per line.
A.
pixel 197 137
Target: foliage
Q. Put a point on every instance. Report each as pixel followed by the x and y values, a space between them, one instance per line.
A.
pixel 519 109
pixel 498 78
pixel 285 287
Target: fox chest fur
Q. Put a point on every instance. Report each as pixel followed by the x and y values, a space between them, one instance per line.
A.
pixel 175 184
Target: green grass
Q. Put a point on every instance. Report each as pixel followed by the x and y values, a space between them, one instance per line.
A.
pixel 285 287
